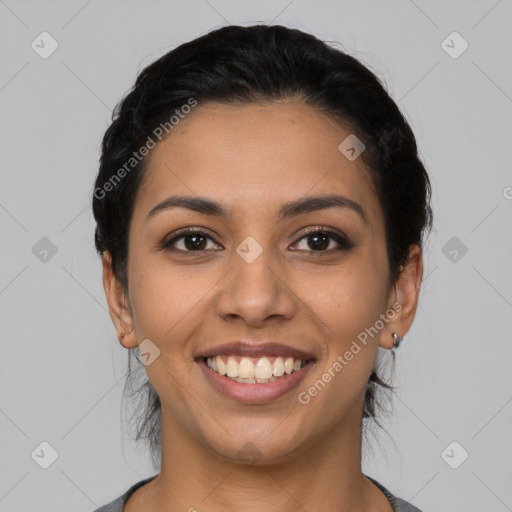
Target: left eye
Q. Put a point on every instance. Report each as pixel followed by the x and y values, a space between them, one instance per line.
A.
pixel 320 240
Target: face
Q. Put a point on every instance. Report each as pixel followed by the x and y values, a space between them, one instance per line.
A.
pixel 255 275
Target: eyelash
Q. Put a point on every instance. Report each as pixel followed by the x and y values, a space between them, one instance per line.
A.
pixel 343 243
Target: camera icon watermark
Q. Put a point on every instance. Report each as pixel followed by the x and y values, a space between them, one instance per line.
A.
pixel 454 455
pixel 44 250
pixel 249 453
pixel 249 249
pixel 44 45
pixel 351 147
pixel 454 249
pixel 44 455
pixel 454 45
pixel 149 352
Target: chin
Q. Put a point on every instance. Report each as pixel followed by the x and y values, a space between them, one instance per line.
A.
pixel 260 449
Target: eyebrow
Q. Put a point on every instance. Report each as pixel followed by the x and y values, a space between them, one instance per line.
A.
pixel 294 208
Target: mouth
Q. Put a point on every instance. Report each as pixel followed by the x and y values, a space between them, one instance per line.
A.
pixel 254 373
pixel 251 370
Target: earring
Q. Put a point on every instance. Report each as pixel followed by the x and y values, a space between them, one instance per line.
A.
pixel 396 340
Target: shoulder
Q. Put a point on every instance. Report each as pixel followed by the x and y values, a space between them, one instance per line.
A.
pixel 113 506
pixel 118 504
pixel 399 505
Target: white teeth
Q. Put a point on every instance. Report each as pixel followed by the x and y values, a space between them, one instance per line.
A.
pixel 221 366
pixel 246 368
pixel 263 369
pixel 278 368
pixel 288 365
pixel 246 371
pixel 232 367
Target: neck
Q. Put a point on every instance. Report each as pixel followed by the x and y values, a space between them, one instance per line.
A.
pixel 325 475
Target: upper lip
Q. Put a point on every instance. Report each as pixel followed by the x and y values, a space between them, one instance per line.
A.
pixel 254 349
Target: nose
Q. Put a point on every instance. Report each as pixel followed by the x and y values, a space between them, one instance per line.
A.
pixel 256 291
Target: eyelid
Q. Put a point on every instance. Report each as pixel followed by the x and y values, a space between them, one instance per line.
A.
pixel 321 229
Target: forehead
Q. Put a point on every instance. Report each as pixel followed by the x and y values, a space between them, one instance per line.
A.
pixel 250 156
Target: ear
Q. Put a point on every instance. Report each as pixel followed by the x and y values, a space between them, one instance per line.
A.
pixel 120 312
pixel 404 294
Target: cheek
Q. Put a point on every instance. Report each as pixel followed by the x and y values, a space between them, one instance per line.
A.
pixel 161 297
pixel 169 302
pixel 344 301
pixel 345 305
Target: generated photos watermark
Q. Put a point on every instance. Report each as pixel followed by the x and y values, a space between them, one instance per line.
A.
pixel 137 156
pixel 305 397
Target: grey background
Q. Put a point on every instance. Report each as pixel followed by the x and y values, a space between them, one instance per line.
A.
pixel 62 368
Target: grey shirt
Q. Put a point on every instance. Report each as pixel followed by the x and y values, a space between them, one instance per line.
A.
pixel 117 505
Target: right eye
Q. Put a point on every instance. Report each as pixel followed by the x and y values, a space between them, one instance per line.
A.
pixel 194 240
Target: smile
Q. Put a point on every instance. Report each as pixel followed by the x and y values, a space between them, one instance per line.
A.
pixel 249 370
pixel 255 389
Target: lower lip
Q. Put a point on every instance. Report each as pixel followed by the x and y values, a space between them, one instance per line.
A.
pixel 254 393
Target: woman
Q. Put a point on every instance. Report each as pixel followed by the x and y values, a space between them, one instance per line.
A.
pixel 260 210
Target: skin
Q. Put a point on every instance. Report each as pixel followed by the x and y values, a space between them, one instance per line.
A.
pixel 253 158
